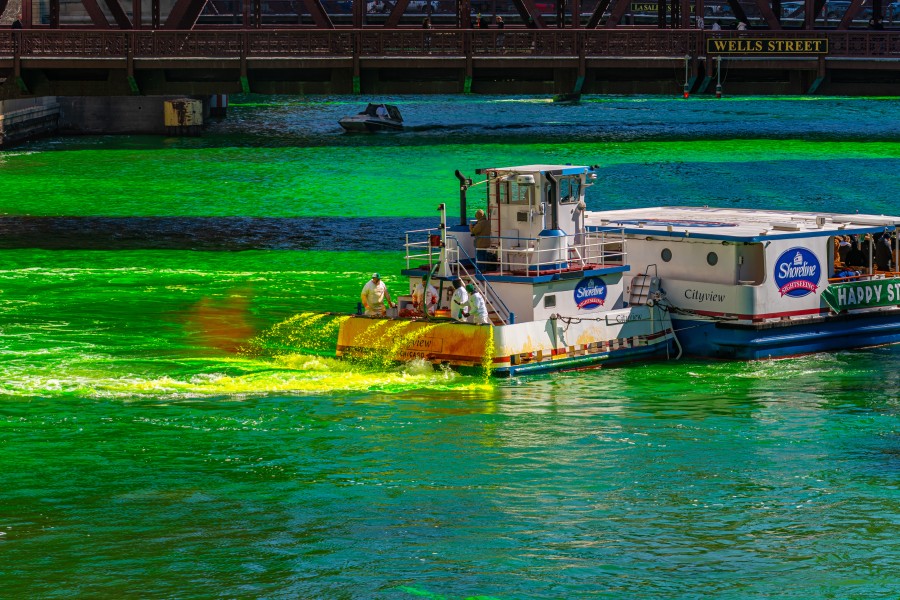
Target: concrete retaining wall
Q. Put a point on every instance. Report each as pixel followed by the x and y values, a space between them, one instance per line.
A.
pixel 25 119
pixel 101 115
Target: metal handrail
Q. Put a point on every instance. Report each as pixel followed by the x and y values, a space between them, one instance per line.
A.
pixel 533 254
pixel 490 294
pixel 285 41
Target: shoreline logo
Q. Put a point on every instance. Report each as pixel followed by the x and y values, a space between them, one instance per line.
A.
pixel 797 272
pixel 590 293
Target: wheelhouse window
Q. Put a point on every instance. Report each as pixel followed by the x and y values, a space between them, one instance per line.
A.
pixel 569 189
pixel 510 192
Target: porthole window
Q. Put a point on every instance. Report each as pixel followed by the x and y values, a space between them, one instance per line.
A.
pixel 712 258
pixel 549 301
pixel 666 255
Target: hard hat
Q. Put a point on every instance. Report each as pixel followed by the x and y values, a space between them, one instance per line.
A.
pixel 376 276
pixel 470 288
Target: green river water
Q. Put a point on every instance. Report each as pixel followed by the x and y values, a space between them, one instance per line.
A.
pixel 168 428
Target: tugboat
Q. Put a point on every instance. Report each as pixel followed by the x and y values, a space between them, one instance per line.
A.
pixel 555 292
pixel 756 284
pixel 376 117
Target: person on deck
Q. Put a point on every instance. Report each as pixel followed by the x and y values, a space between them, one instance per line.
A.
pixel 883 252
pixel 459 302
pixel 381 112
pixel 373 295
pixel 478 313
pixel 843 248
pixel 425 298
pixel 855 257
pixel 481 231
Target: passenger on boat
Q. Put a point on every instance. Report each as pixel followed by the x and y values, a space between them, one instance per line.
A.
pixel 373 295
pixel 459 302
pixel 855 257
pixel 478 313
pixel 883 252
pixel 423 297
pixel 381 112
pixel 843 248
pixel 481 231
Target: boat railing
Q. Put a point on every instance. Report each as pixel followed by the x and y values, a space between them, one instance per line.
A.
pixel 862 276
pixel 535 256
pixel 423 245
pixel 515 255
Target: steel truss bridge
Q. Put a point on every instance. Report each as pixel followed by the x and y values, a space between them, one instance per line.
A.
pixel 534 14
pixel 585 46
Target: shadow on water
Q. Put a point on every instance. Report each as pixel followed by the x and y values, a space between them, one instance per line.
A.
pixel 208 233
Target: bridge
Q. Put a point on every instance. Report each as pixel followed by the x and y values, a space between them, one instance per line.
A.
pixel 201 47
pixel 111 62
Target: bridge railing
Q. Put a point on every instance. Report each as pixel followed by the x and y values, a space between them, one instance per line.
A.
pixel 411 43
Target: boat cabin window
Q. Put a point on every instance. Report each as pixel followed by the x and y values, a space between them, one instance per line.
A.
pixel 666 255
pixel 569 189
pixel 712 259
pixel 550 301
pixel 510 192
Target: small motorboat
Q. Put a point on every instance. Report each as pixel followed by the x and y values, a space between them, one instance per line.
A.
pixel 376 117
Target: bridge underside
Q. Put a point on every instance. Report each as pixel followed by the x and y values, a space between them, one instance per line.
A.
pixel 453 75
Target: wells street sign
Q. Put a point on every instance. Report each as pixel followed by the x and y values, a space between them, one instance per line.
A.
pixel 862 294
pixel 745 46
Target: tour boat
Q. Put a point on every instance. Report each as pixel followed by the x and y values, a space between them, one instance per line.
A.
pixel 754 284
pixel 370 121
pixel 556 292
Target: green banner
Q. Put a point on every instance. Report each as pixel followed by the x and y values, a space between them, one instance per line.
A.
pixel 862 294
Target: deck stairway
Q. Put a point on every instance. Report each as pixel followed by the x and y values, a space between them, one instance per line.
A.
pixel 498 312
pixel 644 289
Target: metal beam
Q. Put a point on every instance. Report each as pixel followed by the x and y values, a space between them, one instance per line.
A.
pixel 95 13
pixel 394 18
pixel 359 13
pixel 118 14
pixel 617 13
pixel 766 11
pixel 318 14
pixel 54 14
pixel 529 13
pixel 183 14
pixel 597 15
pixel 738 11
pixel 463 14
pixel 852 11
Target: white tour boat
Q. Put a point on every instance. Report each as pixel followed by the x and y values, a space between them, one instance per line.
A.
pixel 752 284
pixel 555 292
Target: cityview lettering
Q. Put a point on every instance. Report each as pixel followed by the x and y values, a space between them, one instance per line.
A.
pixel 702 297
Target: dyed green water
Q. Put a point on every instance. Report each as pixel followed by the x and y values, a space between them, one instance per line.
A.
pixel 160 435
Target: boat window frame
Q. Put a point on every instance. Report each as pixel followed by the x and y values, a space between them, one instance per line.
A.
pixel 573 192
